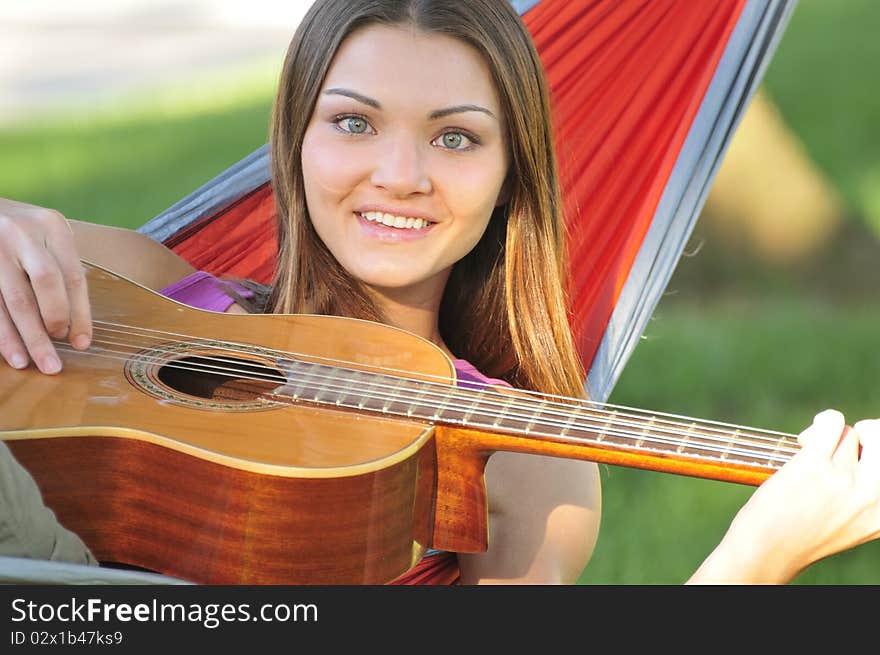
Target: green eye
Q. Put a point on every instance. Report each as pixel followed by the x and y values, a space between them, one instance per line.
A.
pixel 452 139
pixel 357 125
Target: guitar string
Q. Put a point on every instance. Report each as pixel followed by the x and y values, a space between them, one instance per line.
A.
pixel 569 402
pixel 507 405
pixel 640 436
pixel 728 452
pixel 775 442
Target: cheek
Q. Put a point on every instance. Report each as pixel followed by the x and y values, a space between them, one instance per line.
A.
pixel 329 171
pixel 473 190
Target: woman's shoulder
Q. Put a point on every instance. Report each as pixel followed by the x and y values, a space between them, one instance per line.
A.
pixel 469 376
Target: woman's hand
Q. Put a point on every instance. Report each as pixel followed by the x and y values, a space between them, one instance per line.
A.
pixel 824 500
pixel 43 292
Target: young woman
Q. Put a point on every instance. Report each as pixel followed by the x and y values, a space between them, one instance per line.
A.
pixel 415 182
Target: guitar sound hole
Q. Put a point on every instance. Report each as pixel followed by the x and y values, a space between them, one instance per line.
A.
pixel 220 378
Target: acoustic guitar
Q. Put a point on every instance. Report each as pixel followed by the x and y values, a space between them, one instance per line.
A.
pixel 299 449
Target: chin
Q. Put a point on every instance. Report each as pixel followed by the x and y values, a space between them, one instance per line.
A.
pixel 385 274
pixel 388 282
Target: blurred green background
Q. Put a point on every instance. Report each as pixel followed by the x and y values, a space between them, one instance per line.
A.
pixel 749 331
pixel 774 312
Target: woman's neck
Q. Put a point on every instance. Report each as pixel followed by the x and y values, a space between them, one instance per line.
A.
pixel 416 312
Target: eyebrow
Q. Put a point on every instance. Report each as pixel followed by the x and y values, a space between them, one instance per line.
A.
pixel 437 113
pixel 458 109
pixel 355 96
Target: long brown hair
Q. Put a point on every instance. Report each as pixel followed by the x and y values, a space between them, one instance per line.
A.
pixel 504 307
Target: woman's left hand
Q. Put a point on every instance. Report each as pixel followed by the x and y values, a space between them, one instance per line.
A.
pixel 824 500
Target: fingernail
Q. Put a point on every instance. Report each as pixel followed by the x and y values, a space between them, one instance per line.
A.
pixel 828 415
pixel 80 342
pixel 19 361
pixel 51 364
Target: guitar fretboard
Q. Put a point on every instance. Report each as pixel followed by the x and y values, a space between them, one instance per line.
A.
pixel 569 421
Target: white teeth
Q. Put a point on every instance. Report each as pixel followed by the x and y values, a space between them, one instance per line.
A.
pixel 396 221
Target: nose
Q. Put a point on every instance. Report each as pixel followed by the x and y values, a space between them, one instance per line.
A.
pixel 401 168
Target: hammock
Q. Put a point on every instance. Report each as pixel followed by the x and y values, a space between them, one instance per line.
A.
pixel 646 97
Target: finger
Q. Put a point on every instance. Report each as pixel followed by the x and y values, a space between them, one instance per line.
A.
pixel 821 438
pixel 868 432
pixel 847 452
pixel 48 287
pixel 11 346
pixel 23 310
pixel 61 245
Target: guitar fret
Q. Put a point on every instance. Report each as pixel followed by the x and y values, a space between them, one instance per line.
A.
pixel 608 424
pixel 782 441
pixel 729 445
pixel 503 411
pixel 441 407
pixel 392 398
pixel 365 394
pixel 299 383
pixel 415 403
pixel 686 438
pixel 348 388
pixel 571 421
pixel 325 384
pixel 477 399
pixel 645 432
pixel 535 415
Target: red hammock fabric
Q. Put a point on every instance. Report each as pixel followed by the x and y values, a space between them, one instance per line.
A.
pixel 440 569
pixel 627 79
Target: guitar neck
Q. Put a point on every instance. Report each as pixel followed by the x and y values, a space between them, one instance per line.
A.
pixel 565 427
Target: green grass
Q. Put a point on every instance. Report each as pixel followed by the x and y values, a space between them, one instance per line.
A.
pixel 769 364
pixel 124 166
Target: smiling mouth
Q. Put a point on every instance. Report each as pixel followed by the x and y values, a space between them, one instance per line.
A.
pixel 391 220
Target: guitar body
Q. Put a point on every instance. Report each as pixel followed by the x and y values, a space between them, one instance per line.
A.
pixel 207 479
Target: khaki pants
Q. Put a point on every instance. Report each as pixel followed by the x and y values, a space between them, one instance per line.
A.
pixel 27 527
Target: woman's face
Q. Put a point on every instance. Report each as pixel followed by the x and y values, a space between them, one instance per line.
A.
pixel 404 157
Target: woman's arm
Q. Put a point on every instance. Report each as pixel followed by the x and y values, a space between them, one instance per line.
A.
pixel 544 515
pixel 130 254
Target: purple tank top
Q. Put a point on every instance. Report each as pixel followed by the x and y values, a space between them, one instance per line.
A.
pixel 203 291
